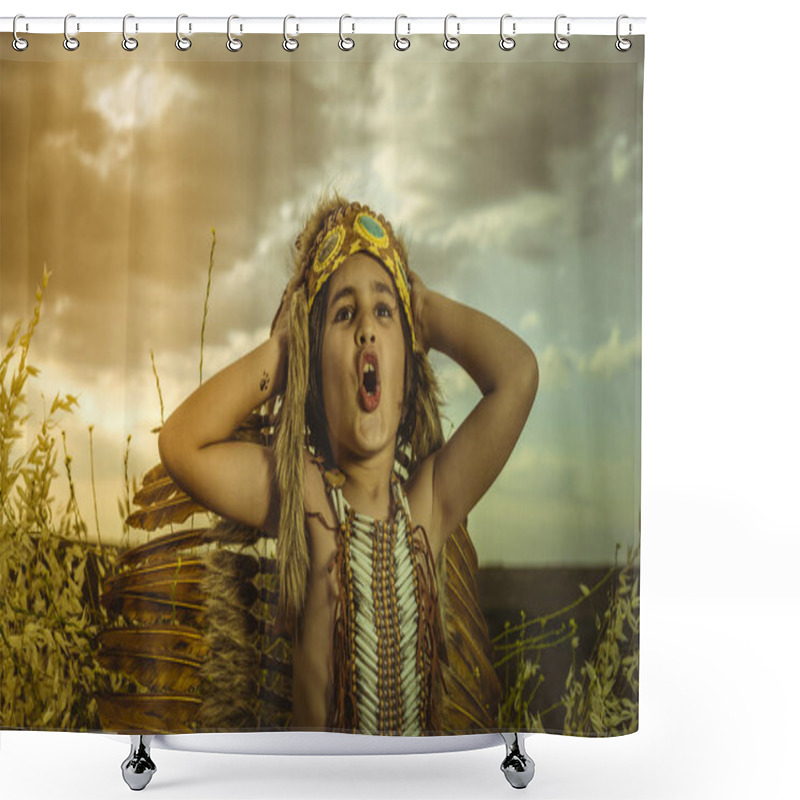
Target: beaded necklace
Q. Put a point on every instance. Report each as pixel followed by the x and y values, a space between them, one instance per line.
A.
pixel 383 602
pixel 386 636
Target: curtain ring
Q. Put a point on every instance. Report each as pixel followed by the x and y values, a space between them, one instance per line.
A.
pixel 623 45
pixel 70 42
pixel 344 42
pixel 450 42
pixel 18 44
pixel 182 43
pixel 560 42
pixel 507 42
pixel 233 44
pixel 400 42
pixel 128 42
pixel 290 43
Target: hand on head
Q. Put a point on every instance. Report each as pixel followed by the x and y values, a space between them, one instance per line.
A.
pixel 418 295
pixel 280 323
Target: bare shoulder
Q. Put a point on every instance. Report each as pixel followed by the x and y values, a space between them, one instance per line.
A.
pixel 419 491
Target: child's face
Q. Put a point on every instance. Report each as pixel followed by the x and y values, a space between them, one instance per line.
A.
pixel 363 359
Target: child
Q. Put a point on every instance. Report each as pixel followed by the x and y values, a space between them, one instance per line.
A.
pixel 358 456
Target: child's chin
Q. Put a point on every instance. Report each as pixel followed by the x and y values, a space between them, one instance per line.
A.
pixel 374 432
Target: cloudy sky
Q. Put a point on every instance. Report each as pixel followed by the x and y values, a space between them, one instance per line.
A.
pixel 515 178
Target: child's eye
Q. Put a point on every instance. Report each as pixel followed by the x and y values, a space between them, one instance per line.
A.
pixel 344 313
pixel 384 310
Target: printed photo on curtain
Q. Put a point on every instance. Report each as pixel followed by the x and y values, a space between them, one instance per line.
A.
pixel 321 381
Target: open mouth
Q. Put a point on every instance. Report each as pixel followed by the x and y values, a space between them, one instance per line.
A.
pixel 370 389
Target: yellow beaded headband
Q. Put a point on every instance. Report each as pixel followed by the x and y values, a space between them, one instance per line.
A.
pixel 360 230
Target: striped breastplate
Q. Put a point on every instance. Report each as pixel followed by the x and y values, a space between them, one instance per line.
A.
pixel 383 616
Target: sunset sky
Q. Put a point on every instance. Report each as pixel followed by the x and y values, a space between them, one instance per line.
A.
pixel 514 177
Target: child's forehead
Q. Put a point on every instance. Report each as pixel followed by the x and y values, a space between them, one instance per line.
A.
pixel 363 272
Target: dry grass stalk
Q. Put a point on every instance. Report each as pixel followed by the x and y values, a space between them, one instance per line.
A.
pixel 601 696
pixel 50 613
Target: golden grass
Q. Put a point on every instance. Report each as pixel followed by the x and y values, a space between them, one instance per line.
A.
pixel 50 614
pixel 601 695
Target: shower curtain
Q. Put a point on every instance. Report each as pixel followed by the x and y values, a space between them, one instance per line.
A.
pixel 153 210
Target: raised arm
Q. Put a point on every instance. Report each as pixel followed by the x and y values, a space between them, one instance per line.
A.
pixel 507 373
pixel 232 478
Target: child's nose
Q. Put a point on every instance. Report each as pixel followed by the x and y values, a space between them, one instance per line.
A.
pixel 365 332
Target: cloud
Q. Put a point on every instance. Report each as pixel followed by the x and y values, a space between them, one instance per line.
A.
pixel 124 101
pixel 557 365
pixel 454 175
pixel 115 403
pixel 614 356
pixel 103 160
pixel 455 382
pixel 550 532
pixel 556 505
pixel 530 320
pixel 555 368
pixel 502 223
pixel 537 470
pixel 623 157
pixel 139 97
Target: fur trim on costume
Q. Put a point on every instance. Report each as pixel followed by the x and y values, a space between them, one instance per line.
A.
pixel 246 675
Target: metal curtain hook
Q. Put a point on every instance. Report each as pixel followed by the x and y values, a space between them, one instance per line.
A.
pixel 623 45
pixel 233 44
pixel 344 42
pixel 507 42
pixel 70 42
pixel 182 43
pixel 18 43
pixel 400 42
pixel 451 42
pixel 290 43
pixel 128 42
pixel 560 42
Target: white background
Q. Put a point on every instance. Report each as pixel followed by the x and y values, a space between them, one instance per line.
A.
pixel 719 697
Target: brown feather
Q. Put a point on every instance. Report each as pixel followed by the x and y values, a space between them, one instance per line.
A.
pixel 156 487
pixel 462 712
pixel 175 509
pixel 467 649
pixel 460 547
pixel 463 607
pixel 160 673
pixel 156 572
pixel 148 713
pixel 148 610
pixel 469 664
pixel 154 474
pixel 160 586
pixel 472 688
pixel 178 641
pixel 166 543
pixel 227 532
